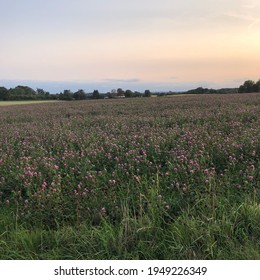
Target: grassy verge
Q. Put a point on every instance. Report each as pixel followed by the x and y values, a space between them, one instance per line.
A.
pixel 191 235
pixel 10 103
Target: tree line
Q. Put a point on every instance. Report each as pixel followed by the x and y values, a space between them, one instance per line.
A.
pixel 24 93
pixel 249 86
pixel 27 93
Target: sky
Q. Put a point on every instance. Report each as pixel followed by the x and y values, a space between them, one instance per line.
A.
pixel 133 44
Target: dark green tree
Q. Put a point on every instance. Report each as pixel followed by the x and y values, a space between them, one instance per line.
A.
pixel 113 93
pixel 120 92
pixel 147 93
pixel 17 93
pixel 241 89
pixel 22 93
pixel 96 94
pixel 257 86
pixel 4 93
pixel 42 94
pixel 79 95
pixel 249 86
pixel 66 95
pixel 137 94
pixel 40 91
pixel 129 93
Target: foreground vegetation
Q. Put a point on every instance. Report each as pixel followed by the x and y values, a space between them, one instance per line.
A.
pixel 155 178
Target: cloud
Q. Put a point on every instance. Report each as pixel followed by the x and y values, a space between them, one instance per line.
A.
pixel 252 20
pixel 123 80
pixel 255 22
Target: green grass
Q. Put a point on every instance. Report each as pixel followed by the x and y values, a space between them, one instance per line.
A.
pixel 10 103
pixel 193 235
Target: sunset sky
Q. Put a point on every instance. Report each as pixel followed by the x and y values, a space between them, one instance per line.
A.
pixel 135 44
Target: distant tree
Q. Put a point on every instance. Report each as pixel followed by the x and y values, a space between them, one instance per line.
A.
pixel 54 96
pixel 25 90
pixel 79 95
pixel 257 86
pixel 120 92
pixel 212 90
pixel 129 93
pixel 96 94
pixel 66 95
pixel 113 93
pixel 248 86
pixel 22 93
pixel 241 89
pixel 200 90
pixel 147 93
pixel 40 91
pixel 26 93
pixel 47 95
pixel 137 94
pixel 4 93
pixel 42 94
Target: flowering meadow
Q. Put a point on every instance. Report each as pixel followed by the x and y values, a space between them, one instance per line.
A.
pixel 148 178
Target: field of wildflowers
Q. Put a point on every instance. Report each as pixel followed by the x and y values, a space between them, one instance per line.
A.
pixel 148 178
